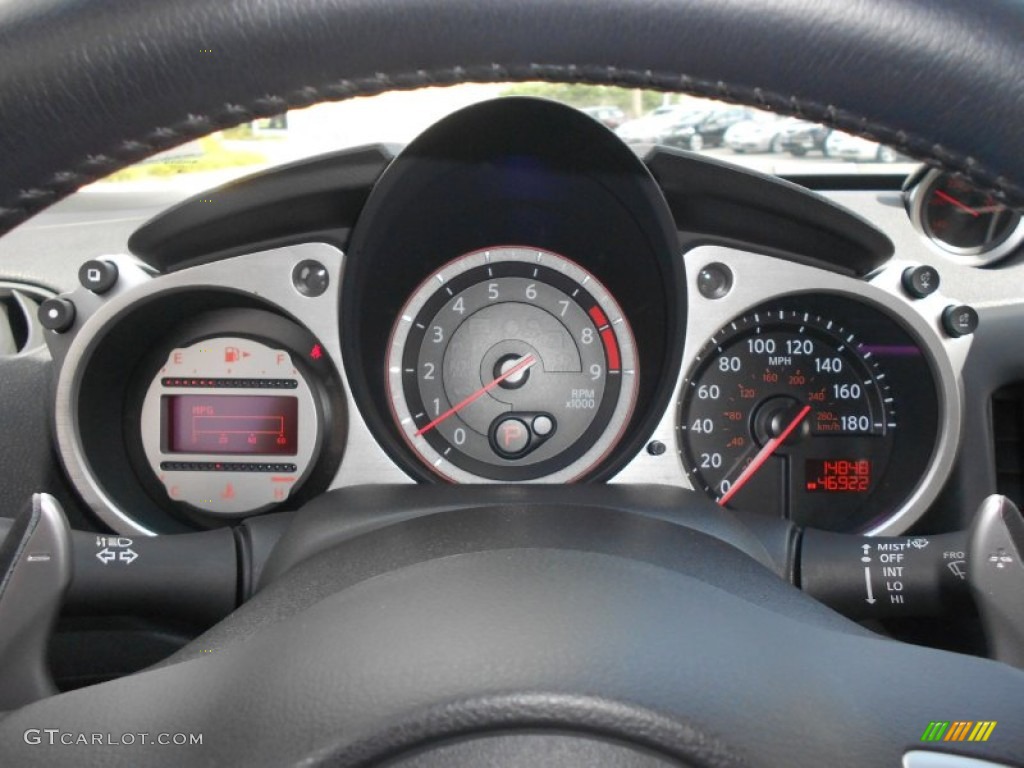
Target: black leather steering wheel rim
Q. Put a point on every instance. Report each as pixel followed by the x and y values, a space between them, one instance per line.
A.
pixel 88 86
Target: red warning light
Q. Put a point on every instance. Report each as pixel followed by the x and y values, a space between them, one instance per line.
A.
pixel 316 352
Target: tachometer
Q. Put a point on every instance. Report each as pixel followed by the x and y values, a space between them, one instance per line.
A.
pixel 512 364
pixel 790 411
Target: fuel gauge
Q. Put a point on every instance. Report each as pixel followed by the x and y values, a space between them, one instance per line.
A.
pixel 230 425
pixel 239 412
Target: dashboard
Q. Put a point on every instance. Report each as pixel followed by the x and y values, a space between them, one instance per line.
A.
pixel 518 297
pixel 516 439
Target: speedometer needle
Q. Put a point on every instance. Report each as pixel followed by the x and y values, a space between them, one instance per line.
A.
pixel 762 456
pixel 522 365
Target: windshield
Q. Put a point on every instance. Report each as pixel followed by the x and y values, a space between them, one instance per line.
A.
pixel 693 118
pixel 755 139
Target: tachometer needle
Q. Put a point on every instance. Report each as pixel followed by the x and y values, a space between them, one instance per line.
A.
pixel 762 456
pixel 953 201
pixel 522 365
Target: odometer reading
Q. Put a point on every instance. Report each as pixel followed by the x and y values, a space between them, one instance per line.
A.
pixel 784 408
pixel 837 475
pixel 511 364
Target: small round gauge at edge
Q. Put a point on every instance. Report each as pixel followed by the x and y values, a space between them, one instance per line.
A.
pixel 963 220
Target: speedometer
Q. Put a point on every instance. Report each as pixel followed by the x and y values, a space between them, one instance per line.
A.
pixel 790 411
pixel 512 364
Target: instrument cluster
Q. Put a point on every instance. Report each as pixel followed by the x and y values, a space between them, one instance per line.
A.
pixel 537 304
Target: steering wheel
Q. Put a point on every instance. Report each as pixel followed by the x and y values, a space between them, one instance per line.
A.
pixel 520 627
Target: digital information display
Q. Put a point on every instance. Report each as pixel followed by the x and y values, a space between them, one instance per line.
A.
pixel 837 475
pixel 230 424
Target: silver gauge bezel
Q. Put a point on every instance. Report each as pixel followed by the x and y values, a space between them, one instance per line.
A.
pixel 757 278
pixel 621 415
pixel 263 274
pixel 266 274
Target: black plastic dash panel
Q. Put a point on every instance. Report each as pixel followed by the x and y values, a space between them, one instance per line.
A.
pixel 291 201
pixel 713 201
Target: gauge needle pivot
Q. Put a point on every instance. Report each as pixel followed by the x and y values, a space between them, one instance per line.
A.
pixel 520 366
pixel 953 201
pixel 762 456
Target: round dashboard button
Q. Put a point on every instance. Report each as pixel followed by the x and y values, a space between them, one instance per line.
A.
pixel 310 278
pixel 921 281
pixel 98 275
pixel 542 426
pixel 714 281
pixel 57 314
pixel 960 320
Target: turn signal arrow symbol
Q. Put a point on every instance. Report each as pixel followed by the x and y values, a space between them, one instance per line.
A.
pixel 106 555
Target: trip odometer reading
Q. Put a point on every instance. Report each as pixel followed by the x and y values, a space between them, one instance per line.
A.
pixel 788 412
pixel 511 364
